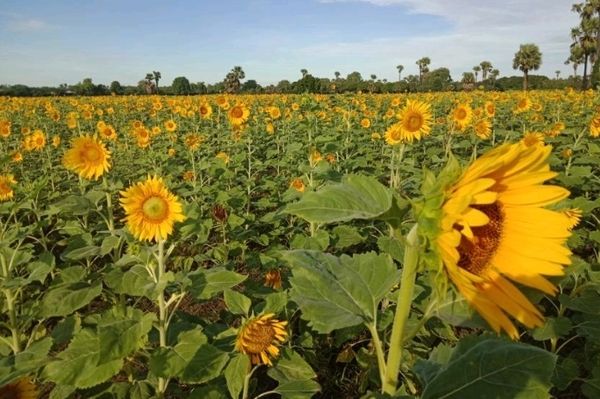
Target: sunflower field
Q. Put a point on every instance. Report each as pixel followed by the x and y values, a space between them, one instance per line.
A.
pixel 433 245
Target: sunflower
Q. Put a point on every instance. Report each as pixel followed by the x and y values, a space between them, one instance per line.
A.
pixel 533 138
pixel 462 115
pixel 274 112
pixel 365 123
pixel 87 157
pixel 259 338
pixel 7 183
pixel 483 129
pixel 17 157
pixel 5 128
pixel 107 132
pixel 298 185
pixel 72 123
pixel 494 231
pixel 223 157
pixel 595 126
pixel 273 279
pixel 193 141
pixel 415 120
pixel 23 388
pixel 55 141
pixel 170 125
pixel 396 135
pixel 524 104
pixel 238 114
pixel 37 141
pixel 490 109
pixel 151 210
pixel 205 110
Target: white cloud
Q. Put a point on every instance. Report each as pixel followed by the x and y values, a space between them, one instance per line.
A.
pixel 480 30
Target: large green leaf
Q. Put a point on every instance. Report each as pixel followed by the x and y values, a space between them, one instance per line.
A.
pixel 356 197
pixel 79 365
pixel 295 376
pixel 26 362
pixel 192 360
pixel 495 368
pixel 334 292
pixel 235 373
pixel 67 298
pixel 207 283
pixel 123 333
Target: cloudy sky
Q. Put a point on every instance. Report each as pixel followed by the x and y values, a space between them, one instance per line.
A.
pixel 64 41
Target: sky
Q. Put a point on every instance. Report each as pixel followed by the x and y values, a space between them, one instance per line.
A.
pixel 49 42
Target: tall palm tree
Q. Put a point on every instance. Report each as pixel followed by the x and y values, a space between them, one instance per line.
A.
pixel 400 68
pixel 494 74
pixel 337 75
pixel 157 77
pixel 528 58
pixel 423 65
pixel 557 72
pixel 486 67
pixel 148 83
pixel 304 72
pixel 575 57
pixel 476 69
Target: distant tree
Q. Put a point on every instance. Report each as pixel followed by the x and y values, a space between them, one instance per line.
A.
pixel 400 68
pixel 251 86
pixel 486 68
pixel 85 87
pixel 476 69
pixel 337 75
pixel 199 88
pixel 232 79
pixel 587 34
pixel 115 87
pixel 149 86
pixel 423 65
pixel 157 77
pixel 468 80
pixel 308 84
pixel 557 72
pixel 437 80
pixel 575 57
pixel 304 72
pixel 494 74
pixel 528 58
pixel 181 86
pixel 284 86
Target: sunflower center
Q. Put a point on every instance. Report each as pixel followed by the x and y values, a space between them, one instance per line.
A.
pixel 461 113
pixel 155 208
pixel 4 188
pixel 475 255
pixel 259 338
pixel 92 154
pixel 414 122
pixel 237 112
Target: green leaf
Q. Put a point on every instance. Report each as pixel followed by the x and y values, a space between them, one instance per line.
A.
pixel 108 244
pixel 356 197
pixel 297 389
pixel 275 302
pixel 591 387
pixel 553 328
pixel 207 283
pixel 346 236
pixel 79 366
pixel 26 362
pixel 81 253
pixel 192 360
pixel 333 292
pixel 235 373
pixel 121 334
pixel 291 366
pixel 587 302
pixel 135 281
pixel 67 298
pixel 236 302
pixel 493 367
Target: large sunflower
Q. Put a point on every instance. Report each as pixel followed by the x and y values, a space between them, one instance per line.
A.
pixel 23 388
pixel 462 115
pixel 238 114
pixel 415 120
pixel 259 338
pixel 151 210
pixel 495 232
pixel 7 183
pixel 88 157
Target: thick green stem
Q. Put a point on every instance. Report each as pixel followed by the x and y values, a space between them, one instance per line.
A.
pixel 12 319
pixel 407 285
pixel 247 383
pixel 162 310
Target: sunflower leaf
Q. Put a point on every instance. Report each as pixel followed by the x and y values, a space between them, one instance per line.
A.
pixel 334 292
pixel 478 367
pixel 356 197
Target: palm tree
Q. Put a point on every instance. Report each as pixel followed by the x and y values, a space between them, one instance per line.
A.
pixel 582 37
pixel 476 69
pixel 337 75
pixel 373 77
pixel 157 77
pixel 423 65
pixel 149 86
pixel 304 72
pixel 528 58
pixel 468 79
pixel 232 79
pixel 575 58
pixel 494 74
pixel 400 68
pixel 557 72
pixel 486 67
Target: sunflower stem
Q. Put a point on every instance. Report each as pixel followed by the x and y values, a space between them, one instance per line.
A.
pixel 407 285
pixel 162 310
pixel 247 382
pixel 378 350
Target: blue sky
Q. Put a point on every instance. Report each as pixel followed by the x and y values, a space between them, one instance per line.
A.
pixel 60 41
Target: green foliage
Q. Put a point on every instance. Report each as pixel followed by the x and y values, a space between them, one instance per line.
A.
pixel 181 86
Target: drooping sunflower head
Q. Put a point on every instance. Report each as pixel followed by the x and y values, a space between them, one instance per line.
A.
pixel 259 338
pixel 494 232
pixel 273 279
pixel 7 183
pixel 23 388
pixel 595 126
pixel 151 209
pixel 415 120
pixel 88 157
pixel 483 129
